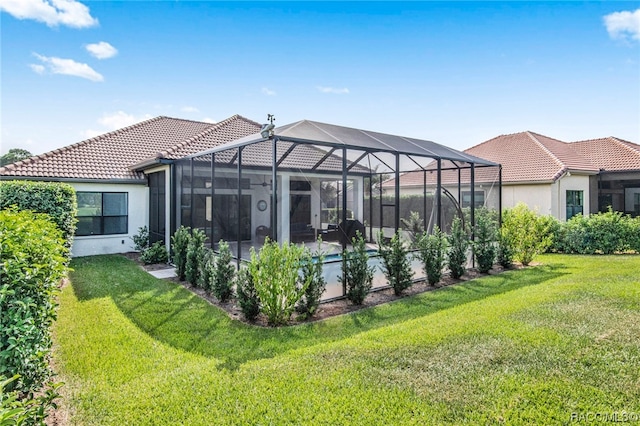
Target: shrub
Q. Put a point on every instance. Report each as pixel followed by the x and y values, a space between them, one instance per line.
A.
pixel 458 242
pixel 276 277
pixel 608 232
pixel 157 253
pixel 32 410
pixel 33 257
pixel 414 225
pixel 56 199
pixel 141 239
pixel 395 261
pixel 357 274
pixel 432 254
pixel 195 252
pixel 528 232
pixel 223 274
pixel 247 295
pixel 485 242
pixel 207 269
pixel 312 272
pixel 505 249
pixel 179 245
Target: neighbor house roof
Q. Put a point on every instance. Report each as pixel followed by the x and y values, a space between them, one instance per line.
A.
pixel 610 154
pixel 111 156
pixel 531 157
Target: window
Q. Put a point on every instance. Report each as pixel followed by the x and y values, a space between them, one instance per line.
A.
pixel 636 203
pixel 575 202
pixel 466 199
pixel 102 213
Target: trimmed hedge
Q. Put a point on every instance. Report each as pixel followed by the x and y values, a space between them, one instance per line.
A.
pixel 56 199
pixel 33 263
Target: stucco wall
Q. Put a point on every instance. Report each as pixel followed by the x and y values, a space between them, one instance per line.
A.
pixel 138 211
pixel 535 196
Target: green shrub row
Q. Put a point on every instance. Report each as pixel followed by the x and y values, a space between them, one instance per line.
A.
pixel 33 263
pixel 605 233
pixel 58 200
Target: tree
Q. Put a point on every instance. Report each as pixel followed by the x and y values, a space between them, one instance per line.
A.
pixel 14 155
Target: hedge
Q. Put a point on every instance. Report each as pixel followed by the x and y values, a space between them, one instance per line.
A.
pixel 56 199
pixel 33 263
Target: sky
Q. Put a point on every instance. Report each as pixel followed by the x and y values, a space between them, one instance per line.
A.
pixel 457 73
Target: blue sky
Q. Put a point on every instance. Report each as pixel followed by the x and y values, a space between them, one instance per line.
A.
pixel 457 73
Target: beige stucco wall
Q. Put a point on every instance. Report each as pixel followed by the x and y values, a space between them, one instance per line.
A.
pixel 138 211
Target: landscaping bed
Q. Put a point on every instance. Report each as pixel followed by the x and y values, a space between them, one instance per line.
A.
pixel 327 309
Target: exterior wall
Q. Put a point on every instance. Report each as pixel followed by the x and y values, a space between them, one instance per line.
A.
pixel 535 196
pixel 138 212
pixel 570 182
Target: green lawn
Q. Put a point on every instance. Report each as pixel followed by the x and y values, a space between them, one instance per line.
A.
pixel 524 347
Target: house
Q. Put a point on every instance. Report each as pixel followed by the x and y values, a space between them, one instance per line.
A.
pixel 235 180
pixel 555 177
pixel 114 199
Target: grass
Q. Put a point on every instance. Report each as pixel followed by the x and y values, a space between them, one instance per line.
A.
pixel 523 347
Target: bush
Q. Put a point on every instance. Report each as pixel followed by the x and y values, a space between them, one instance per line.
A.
pixel 606 232
pixel 33 257
pixel 28 411
pixel 312 272
pixel 528 232
pixel 485 242
pixel 157 253
pixel 195 253
pixel 58 200
pixel 505 249
pixel 207 269
pixel 414 225
pixel 223 274
pixel 179 245
pixel 395 261
pixel 276 276
pixel 432 253
pixel 458 242
pixel 247 295
pixel 141 239
pixel 357 275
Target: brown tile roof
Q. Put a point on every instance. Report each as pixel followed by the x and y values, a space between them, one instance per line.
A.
pixel 610 154
pixel 531 157
pixel 110 156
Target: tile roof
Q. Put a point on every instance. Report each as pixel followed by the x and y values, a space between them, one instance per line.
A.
pixel 111 155
pixel 610 154
pixel 531 157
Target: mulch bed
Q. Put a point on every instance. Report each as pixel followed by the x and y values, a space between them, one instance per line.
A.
pixel 326 309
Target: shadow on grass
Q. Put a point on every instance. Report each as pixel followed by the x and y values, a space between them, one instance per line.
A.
pixel 175 316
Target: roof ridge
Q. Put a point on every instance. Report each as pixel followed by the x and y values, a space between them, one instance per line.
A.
pixel 66 148
pixel 551 154
pixel 208 130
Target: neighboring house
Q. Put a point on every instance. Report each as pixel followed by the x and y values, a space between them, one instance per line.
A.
pixel 557 178
pixel 114 198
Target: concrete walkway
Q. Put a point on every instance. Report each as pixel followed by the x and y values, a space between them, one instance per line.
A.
pixel 164 273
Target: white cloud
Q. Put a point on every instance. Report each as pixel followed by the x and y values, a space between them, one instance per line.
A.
pixel 623 25
pixel 268 92
pixel 52 12
pixel 37 68
pixel 189 109
pixel 67 67
pixel 101 50
pixel 113 121
pixel 334 90
pixel 209 120
pixel 121 119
